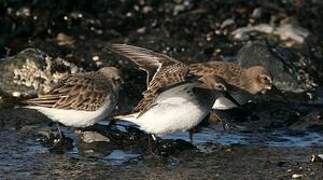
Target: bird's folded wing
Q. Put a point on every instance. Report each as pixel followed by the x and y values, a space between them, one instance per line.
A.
pixel 77 92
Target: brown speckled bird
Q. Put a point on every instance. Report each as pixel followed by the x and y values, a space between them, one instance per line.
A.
pixel 172 101
pixel 81 99
pixel 175 100
pixel 252 80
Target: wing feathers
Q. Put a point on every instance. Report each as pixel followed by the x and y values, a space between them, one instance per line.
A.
pixel 85 91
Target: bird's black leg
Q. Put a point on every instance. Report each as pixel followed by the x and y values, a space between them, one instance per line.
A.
pixel 225 124
pixel 60 133
pixel 150 146
pixel 153 145
pixel 190 134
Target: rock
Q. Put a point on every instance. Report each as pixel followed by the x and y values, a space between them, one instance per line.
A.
pixel 257 13
pixel 291 72
pixel 170 146
pixel 227 22
pixel 20 118
pixel 288 30
pixel 63 39
pixel 292 31
pixel 297 176
pixel 32 71
pixel 317 158
pixel 92 136
pixel 54 142
pixel 243 33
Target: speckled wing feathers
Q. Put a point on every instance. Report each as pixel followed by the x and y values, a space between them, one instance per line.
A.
pixel 147 60
pixel 231 73
pixel 86 91
pixel 163 71
pixel 169 76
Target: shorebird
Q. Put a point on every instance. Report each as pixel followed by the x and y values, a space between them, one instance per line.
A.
pixel 175 99
pixel 178 107
pixel 251 80
pixel 81 99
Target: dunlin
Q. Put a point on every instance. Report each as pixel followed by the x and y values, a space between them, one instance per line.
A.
pixel 252 80
pixel 175 99
pixel 80 100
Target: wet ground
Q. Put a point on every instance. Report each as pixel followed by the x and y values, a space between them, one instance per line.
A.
pixel 23 157
pixel 271 140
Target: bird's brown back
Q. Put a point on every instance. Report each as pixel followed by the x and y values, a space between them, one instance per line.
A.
pixel 82 91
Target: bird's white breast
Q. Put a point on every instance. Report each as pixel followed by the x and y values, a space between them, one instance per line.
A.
pixel 177 109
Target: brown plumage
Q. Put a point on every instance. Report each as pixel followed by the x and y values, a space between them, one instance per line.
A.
pixel 253 80
pixel 148 60
pixel 80 91
pixel 163 80
pixel 163 72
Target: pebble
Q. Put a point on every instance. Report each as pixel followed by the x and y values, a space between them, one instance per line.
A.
pixel 91 136
pixel 296 176
pixel 95 58
pixel 257 13
pixel 16 94
pixel 227 22
pixel 317 158
pixel 63 39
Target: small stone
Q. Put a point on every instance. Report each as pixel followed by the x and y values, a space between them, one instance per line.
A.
pixel 296 176
pixel 95 58
pixel 227 22
pixel 147 9
pixel 317 158
pixel 141 30
pixel 91 136
pixel 257 13
pixel 63 39
pixel 16 94
pixel 23 12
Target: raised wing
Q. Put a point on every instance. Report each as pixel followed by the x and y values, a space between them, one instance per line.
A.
pixel 86 91
pixel 147 60
pixel 169 77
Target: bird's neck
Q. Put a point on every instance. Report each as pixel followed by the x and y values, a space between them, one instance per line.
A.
pixel 246 83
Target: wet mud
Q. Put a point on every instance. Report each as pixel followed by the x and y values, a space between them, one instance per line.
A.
pixel 268 138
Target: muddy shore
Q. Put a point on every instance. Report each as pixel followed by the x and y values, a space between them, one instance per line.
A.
pixel 276 140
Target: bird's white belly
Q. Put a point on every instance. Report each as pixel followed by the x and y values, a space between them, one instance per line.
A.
pixel 171 117
pixel 75 118
pixel 223 103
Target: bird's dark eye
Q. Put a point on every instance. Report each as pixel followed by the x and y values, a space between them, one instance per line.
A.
pixel 221 87
pixel 267 79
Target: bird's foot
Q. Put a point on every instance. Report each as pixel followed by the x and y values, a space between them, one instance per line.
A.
pixel 55 141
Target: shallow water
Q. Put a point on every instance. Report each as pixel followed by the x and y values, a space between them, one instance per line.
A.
pixel 24 157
